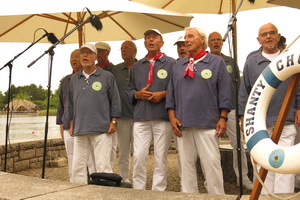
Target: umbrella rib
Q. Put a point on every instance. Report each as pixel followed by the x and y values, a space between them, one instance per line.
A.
pixel 133 38
pixel 73 21
pixel 220 8
pixel 167 4
pixel 15 26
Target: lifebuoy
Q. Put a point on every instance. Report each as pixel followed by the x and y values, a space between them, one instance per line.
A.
pixel 263 150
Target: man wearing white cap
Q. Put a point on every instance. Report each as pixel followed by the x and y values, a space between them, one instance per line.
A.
pixel 92 123
pixel 103 50
pixel 181 49
pixel 62 114
pixel 146 90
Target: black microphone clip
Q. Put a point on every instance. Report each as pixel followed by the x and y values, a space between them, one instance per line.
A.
pixel 51 37
pixel 95 21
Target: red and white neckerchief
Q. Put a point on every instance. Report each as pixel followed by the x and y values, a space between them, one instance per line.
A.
pixel 104 66
pixel 190 68
pixel 151 65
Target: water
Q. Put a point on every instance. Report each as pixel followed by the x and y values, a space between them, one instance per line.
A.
pixel 28 127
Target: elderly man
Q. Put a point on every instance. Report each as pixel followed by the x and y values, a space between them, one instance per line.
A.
pixel 94 108
pixel 103 50
pixel 125 123
pixel 215 44
pixel 181 48
pixel 198 102
pixel 62 114
pixel 268 38
pixel 147 91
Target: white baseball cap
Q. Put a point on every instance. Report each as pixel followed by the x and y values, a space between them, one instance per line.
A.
pixel 89 46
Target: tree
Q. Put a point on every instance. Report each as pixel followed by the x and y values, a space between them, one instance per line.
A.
pixel 37 95
pixel 1 100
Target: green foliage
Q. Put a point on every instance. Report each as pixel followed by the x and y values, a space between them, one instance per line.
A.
pixel 1 100
pixel 52 112
pixel 22 96
pixel 36 94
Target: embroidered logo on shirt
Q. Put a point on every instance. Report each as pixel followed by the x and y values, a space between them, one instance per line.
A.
pixel 162 74
pixel 97 86
pixel 206 74
pixel 229 69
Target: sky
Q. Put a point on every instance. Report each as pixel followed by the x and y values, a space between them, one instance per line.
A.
pixel 248 22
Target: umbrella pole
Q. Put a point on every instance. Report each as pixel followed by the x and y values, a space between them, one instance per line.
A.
pixel 50 51
pixel 231 28
pixel 59 41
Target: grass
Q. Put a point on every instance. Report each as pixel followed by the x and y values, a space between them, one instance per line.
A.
pixel 52 112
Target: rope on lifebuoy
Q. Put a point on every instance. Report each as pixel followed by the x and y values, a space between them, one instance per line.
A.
pixel 263 150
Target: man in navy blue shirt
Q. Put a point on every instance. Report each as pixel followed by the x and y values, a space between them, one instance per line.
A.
pixel 147 89
pixel 198 102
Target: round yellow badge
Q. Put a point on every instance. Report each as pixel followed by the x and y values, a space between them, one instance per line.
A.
pixel 229 69
pixel 206 74
pixel 162 74
pixel 97 86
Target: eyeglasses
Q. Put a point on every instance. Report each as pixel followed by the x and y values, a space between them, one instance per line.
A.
pixel 265 34
pixel 87 52
pixel 217 39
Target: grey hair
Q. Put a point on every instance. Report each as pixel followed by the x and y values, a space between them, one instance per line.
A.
pixel 201 34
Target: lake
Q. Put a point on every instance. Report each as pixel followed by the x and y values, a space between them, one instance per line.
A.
pixel 28 127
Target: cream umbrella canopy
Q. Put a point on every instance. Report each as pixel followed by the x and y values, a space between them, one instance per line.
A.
pixel 205 6
pixel 121 19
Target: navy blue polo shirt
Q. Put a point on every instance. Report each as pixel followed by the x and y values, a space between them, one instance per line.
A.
pixel 146 110
pixel 197 101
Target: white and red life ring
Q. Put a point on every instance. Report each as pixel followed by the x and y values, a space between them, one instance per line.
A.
pixel 264 151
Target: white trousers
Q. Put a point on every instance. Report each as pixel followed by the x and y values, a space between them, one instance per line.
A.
pixel 69 145
pixel 275 182
pixel 143 133
pixel 231 132
pixel 205 144
pixel 125 142
pixel 114 148
pixel 101 145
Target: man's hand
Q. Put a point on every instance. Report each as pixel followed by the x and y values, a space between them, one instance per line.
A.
pixel 242 123
pixel 71 129
pixel 157 96
pixel 175 123
pixel 112 128
pixel 143 94
pixel 221 127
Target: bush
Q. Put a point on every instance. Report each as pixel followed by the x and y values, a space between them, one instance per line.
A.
pixel 52 112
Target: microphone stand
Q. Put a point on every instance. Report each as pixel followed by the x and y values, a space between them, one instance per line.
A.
pixel 10 65
pixel 231 27
pixel 50 51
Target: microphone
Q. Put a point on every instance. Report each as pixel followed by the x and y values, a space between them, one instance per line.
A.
pixel 95 21
pixel 51 37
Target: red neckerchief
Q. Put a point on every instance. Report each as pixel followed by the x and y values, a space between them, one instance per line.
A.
pixel 152 60
pixel 104 66
pixel 190 68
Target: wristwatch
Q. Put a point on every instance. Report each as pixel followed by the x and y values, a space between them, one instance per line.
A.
pixel 115 122
pixel 223 117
